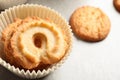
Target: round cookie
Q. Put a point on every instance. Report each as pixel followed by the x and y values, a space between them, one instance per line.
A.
pixel 90 23
pixel 117 4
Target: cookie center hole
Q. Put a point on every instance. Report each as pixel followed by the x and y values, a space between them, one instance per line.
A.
pixel 37 40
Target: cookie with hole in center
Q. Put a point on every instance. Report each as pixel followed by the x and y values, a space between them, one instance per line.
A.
pixel 90 23
pixel 34 43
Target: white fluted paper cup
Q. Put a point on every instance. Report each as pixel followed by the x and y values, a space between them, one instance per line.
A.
pixel 23 11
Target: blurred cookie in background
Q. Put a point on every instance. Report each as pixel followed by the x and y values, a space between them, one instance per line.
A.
pixel 116 4
pixel 4 4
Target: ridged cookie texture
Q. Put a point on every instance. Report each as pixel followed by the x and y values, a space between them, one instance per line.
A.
pixel 33 41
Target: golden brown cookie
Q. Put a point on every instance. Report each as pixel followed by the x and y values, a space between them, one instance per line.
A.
pixel 6 36
pixel 33 43
pixel 90 23
pixel 117 4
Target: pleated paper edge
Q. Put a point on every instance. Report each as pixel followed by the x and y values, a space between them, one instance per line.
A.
pixel 36 74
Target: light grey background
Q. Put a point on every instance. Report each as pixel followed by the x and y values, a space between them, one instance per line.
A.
pixel 87 61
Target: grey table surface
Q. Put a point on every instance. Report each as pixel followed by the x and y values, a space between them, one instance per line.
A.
pixel 87 61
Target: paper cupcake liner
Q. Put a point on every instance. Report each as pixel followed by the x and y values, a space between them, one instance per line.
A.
pixel 23 11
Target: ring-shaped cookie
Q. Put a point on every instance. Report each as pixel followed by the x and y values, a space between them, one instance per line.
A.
pixel 38 41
